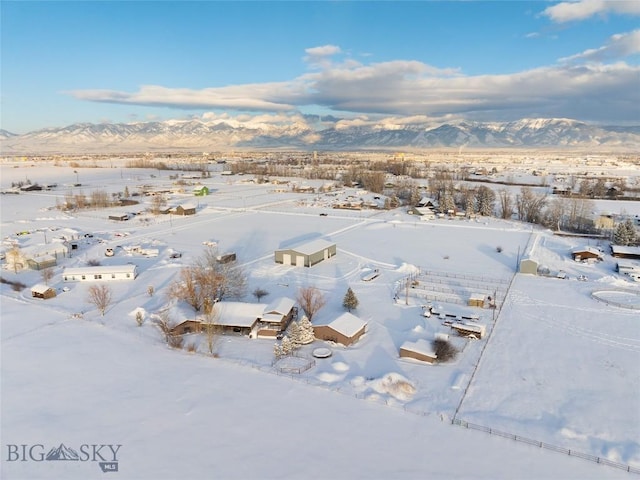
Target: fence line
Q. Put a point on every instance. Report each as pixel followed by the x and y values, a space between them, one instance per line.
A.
pixel 547 446
pixel 454 420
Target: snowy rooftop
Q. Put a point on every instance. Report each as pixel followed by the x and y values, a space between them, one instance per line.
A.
pixel 238 314
pixel 311 247
pixel 282 306
pixel 99 270
pixel 40 288
pixel 347 324
pixel 420 346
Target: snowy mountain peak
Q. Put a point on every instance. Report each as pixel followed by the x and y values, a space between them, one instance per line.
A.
pixel 302 133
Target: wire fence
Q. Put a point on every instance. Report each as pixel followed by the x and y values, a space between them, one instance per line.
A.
pixel 547 446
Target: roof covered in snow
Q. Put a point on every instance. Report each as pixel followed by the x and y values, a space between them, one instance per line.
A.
pixel 311 247
pixel 100 270
pixel 282 306
pixel 40 288
pixel 347 324
pixel 238 314
pixel 421 346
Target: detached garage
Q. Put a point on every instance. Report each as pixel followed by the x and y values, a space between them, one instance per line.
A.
pixel 346 330
pixel 306 255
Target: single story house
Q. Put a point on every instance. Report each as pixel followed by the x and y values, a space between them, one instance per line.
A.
pixel 201 191
pixel 346 329
pixel 420 350
pixel 238 317
pixel 586 253
pixel 42 291
pixel 422 212
pixel 621 251
pixel 187 326
pixel 185 209
pixel 53 249
pixel 100 273
pixel 428 202
pixel 469 329
pixel 277 316
pixel 120 217
pixel 529 266
pixel 40 263
pixel 628 268
pixel 605 222
pixel 306 255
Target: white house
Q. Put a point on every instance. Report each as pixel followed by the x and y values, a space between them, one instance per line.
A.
pixel 100 273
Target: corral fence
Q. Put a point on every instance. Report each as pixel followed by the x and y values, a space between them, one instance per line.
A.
pixel 482 279
pixel 631 306
pixel 547 446
pixel 293 364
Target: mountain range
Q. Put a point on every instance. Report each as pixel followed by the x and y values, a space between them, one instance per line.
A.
pixel 199 135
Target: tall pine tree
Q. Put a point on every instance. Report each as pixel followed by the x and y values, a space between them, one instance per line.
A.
pixel 350 301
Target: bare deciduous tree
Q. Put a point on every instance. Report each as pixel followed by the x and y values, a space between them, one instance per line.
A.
pixel 13 257
pixel 530 205
pixel 47 275
pixel 165 323
pixel 208 280
pixel 506 203
pixel 157 202
pixel 210 326
pixel 259 293
pixel 100 296
pixel 310 300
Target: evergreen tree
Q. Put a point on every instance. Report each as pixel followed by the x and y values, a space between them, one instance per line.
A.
pixel 625 233
pixel 350 301
pixel 277 351
pixel 485 201
pixel 306 331
pixel 286 346
pixel 294 335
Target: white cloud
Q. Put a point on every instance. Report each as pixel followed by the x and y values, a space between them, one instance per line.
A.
pixel 242 97
pixel 618 46
pixel 583 9
pixel 405 88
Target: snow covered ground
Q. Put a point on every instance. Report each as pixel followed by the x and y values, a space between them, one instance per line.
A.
pixel 557 365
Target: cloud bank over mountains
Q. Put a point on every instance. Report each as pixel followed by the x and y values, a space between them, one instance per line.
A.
pixel 596 85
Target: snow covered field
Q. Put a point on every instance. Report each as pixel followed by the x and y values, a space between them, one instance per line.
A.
pixel 557 365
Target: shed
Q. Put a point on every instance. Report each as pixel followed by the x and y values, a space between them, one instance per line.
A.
pixel 201 191
pixel 346 329
pixel 476 300
pixel 420 350
pixel 120 217
pixel 527 265
pixel 469 329
pixel 100 273
pixel 306 255
pixel 185 209
pixel 42 291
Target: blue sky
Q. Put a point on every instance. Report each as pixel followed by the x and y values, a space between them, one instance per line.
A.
pixel 70 62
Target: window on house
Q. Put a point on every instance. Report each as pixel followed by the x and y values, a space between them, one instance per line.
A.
pixel 83 277
pixel 113 275
pixel 128 275
pixel 97 277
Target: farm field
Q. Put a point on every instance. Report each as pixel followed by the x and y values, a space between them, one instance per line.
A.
pixel 556 365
